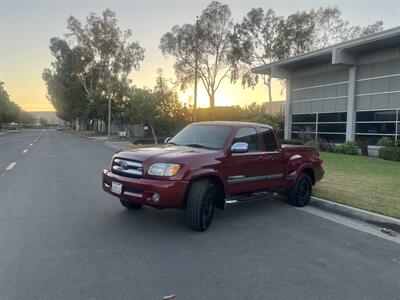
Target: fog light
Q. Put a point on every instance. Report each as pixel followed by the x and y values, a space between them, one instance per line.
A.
pixel 155 197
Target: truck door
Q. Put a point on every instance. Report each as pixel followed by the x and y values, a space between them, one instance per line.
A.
pixel 243 172
pixel 273 159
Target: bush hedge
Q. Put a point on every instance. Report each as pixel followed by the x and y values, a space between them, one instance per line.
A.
pixel 386 142
pixel 349 147
pixel 390 153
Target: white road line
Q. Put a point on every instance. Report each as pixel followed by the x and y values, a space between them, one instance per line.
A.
pixel 11 165
pixel 24 151
pixel 30 145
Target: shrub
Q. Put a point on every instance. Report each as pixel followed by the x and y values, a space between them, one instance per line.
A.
pixel 390 153
pixel 310 143
pixel 386 142
pixel 292 142
pixel 325 146
pixel 349 147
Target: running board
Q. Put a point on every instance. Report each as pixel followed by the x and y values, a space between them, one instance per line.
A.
pixel 248 198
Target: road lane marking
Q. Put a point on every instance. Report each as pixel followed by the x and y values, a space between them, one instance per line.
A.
pixel 30 145
pixel 11 165
pixel 24 151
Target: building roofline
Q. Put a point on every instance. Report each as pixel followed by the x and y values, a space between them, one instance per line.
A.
pixel 384 34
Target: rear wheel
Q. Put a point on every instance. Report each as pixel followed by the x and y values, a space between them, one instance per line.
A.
pixel 200 204
pixel 300 195
pixel 130 205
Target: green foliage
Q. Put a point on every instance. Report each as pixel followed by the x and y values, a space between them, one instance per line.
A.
pixel 325 146
pixel 10 112
pixel 91 68
pixel 44 122
pixel 390 153
pixel 386 142
pixel 349 148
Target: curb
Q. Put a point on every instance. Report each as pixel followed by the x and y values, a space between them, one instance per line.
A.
pixel 356 213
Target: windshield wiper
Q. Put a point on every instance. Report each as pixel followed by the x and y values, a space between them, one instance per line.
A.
pixel 200 146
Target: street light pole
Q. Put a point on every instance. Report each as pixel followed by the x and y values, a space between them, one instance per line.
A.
pixel 195 69
pixel 109 110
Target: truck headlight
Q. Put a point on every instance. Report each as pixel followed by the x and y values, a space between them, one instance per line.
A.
pixel 162 169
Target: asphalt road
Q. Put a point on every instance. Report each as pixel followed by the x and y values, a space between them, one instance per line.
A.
pixel 62 237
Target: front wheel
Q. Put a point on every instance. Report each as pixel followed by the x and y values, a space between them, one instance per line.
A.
pixel 300 195
pixel 130 205
pixel 200 204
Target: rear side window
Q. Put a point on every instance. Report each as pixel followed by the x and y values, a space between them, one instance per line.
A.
pixel 248 135
pixel 269 139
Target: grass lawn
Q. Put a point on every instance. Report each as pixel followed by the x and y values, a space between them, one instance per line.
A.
pixel 363 182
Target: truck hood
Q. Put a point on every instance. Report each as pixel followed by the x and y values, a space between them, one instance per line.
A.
pixel 167 153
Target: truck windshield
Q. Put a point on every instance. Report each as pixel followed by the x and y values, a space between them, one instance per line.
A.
pixel 202 136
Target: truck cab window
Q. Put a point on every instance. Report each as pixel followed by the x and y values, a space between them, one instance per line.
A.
pixel 269 139
pixel 248 135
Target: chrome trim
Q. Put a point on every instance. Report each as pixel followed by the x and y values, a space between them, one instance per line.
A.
pixel 128 162
pixel 296 156
pixel 254 178
pixel 127 171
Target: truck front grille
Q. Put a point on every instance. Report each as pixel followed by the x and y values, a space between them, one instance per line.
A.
pixel 126 167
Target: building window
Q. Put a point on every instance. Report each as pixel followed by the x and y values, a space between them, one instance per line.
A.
pixel 325 126
pixel 304 118
pixel 332 117
pixel 373 125
pixel 332 138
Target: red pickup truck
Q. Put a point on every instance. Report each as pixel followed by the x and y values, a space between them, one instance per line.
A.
pixel 211 164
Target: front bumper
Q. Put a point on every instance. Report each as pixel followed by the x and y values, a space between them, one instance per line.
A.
pixel 141 190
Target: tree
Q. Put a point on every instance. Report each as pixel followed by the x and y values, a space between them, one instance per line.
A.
pixel 64 89
pixel 10 111
pixel 141 108
pixel 210 37
pixel 263 37
pixel 44 122
pixel 171 114
pixel 331 28
pixel 253 43
pixel 98 58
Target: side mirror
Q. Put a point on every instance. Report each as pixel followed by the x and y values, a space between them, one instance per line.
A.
pixel 167 140
pixel 240 147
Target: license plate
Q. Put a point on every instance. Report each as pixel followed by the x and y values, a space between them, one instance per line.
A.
pixel 116 188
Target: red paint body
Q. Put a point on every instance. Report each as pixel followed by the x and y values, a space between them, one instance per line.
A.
pixel 218 164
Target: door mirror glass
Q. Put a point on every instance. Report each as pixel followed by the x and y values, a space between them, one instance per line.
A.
pixel 240 147
pixel 167 140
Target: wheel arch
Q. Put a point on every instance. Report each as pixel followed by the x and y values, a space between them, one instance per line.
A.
pixel 310 172
pixel 215 179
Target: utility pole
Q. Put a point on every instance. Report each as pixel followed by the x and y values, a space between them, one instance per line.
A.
pixel 196 57
pixel 109 108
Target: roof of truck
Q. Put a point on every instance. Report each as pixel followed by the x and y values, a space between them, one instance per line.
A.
pixel 233 123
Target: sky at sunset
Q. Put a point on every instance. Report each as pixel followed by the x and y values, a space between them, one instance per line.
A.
pixel 27 26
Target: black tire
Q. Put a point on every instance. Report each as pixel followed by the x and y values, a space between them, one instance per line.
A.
pixel 301 193
pixel 130 205
pixel 200 204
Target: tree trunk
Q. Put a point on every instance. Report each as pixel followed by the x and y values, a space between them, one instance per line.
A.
pixel 270 95
pixel 212 106
pixel 153 132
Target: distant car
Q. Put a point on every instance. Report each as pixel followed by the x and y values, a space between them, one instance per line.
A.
pixel 60 128
pixel 212 164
